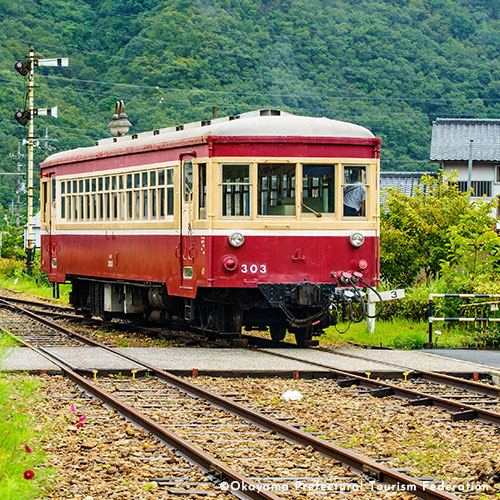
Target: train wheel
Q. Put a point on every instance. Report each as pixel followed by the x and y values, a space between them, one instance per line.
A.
pixel 277 333
pixel 301 338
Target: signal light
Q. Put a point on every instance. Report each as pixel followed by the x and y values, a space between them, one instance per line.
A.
pixel 23 117
pixel 23 67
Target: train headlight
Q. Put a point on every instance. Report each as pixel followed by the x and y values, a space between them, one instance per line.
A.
pixel 236 239
pixel 357 239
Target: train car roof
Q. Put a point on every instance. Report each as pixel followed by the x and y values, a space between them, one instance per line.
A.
pixel 260 123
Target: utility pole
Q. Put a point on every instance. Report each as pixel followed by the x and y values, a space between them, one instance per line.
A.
pixel 18 190
pixel 469 167
pixel 20 185
pixel 27 68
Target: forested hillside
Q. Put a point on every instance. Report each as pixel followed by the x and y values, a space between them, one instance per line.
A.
pixel 390 65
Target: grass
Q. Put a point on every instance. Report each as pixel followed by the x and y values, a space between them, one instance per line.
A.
pixel 400 334
pixel 25 284
pixel 21 436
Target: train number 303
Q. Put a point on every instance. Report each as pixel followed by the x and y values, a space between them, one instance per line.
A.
pixel 253 268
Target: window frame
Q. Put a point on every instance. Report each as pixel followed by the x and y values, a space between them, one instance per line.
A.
pixel 222 184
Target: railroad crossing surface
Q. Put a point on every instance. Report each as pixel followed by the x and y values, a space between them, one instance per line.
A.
pixel 241 362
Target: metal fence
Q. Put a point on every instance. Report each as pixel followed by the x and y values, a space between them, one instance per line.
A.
pixel 483 320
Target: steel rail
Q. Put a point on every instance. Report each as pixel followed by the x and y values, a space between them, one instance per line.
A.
pixel 182 336
pixel 458 410
pixel 370 467
pixel 248 487
pixel 35 303
pixel 441 378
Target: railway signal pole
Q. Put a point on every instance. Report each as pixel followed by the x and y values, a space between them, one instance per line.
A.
pixel 27 68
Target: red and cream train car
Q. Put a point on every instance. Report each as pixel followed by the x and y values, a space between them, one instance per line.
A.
pixel 244 221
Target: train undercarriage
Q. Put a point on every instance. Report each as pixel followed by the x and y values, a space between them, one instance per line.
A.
pixel 304 309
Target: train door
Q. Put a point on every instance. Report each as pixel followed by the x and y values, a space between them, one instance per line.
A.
pixel 48 197
pixel 186 225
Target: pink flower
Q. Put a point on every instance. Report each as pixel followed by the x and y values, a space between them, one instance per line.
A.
pixel 27 448
pixel 73 407
pixel 29 474
pixel 79 422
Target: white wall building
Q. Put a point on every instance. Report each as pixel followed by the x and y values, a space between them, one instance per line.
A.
pixel 36 231
pixel 450 148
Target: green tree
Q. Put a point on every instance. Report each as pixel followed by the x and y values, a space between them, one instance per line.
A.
pixel 473 264
pixel 12 243
pixel 437 230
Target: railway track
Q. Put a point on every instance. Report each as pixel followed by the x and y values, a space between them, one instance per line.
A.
pixel 70 315
pixel 114 457
pixel 170 407
pixel 464 399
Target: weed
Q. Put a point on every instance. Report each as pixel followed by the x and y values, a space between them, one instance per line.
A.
pixel 311 429
pixel 21 452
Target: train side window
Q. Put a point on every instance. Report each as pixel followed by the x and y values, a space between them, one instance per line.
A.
pixel 123 200
pixel 152 194
pixel 318 189
pixel 44 201
pixel 354 191
pixel 130 205
pixel 161 201
pixel 82 206
pixel 94 207
pixel 75 206
pixel 170 191
pixel 137 204
pixel 202 191
pixel 63 199
pixel 145 202
pixel 88 214
pixel 188 180
pixel 276 189
pixel 235 190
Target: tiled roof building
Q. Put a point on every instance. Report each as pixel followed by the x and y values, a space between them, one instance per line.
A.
pixel 406 182
pixel 451 148
pixel 451 139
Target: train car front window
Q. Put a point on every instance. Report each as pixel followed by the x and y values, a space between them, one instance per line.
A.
pixel 318 189
pixel 276 189
pixel 354 190
pixel 235 190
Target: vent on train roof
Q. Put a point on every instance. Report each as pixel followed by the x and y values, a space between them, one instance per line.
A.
pixel 270 112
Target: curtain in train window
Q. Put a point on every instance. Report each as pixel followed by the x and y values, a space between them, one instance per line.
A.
pixel 235 190
pixel 276 185
pixel 318 189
